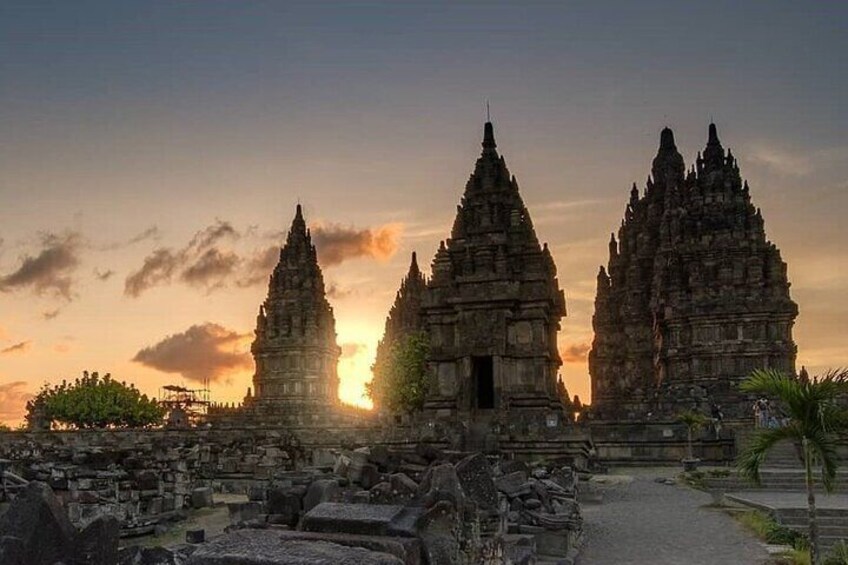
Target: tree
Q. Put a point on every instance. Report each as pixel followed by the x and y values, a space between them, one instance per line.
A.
pixel 93 402
pixel 401 378
pixel 814 421
pixel 693 421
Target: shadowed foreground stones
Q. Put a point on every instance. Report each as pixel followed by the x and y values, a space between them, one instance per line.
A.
pixel 35 529
pixel 267 547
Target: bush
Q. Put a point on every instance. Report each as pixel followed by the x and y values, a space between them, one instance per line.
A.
pixel 838 554
pixel 401 378
pixel 93 402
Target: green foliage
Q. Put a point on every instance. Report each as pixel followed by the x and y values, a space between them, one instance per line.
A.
pixel 815 417
pixel 92 401
pixel 838 554
pixel 765 528
pixel 692 420
pixel 401 378
pixel 797 557
pixel 815 420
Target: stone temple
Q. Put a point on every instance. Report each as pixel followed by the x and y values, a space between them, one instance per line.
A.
pixel 694 296
pixel 295 349
pixel 491 309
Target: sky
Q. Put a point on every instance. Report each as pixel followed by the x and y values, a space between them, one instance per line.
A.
pixel 152 154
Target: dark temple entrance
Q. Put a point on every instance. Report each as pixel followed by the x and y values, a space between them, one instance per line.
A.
pixel 483 374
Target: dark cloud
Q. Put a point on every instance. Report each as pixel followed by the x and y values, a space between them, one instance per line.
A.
pixel 211 268
pixel 21 347
pixel 158 268
pixel 201 263
pixel 576 353
pixel 205 351
pixel 209 236
pixel 51 270
pixel 13 399
pixel 352 349
pixel 336 244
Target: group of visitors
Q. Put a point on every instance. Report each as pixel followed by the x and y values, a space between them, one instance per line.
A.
pixel 766 415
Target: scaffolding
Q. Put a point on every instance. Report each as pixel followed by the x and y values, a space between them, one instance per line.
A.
pixel 186 406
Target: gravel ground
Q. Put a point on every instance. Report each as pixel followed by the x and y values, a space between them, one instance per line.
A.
pixel 645 522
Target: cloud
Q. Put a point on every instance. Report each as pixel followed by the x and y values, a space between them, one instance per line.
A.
pixel 51 270
pixel 13 399
pixel 4 333
pixel 21 347
pixel 336 244
pixel 103 275
pixel 337 292
pixel 796 163
pixel 211 268
pixel 352 349
pixel 158 268
pixel 260 265
pixel 204 351
pixel 152 233
pixel 51 314
pixel 201 263
pixel 577 353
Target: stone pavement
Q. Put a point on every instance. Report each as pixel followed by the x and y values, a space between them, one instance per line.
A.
pixel 641 522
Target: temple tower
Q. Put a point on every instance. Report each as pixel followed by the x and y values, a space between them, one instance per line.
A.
pixel 694 296
pixel 404 316
pixel 493 305
pixel 295 347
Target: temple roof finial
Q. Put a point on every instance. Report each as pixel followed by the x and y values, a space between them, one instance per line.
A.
pixel 713 135
pixel 667 140
pixel 489 136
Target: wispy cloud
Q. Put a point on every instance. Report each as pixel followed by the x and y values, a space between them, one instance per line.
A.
pixel 203 351
pixel 50 271
pixel 577 353
pixel 796 163
pixel 17 348
pixel 200 263
pixel 51 314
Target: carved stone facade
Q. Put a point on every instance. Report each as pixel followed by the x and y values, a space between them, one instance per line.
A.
pixel 493 305
pixel 694 296
pixel 295 348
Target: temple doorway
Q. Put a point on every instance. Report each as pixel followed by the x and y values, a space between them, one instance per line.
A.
pixel 483 375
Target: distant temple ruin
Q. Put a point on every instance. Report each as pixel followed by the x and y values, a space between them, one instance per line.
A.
pixel 295 350
pixel 694 296
pixel 493 305
pixel 491 311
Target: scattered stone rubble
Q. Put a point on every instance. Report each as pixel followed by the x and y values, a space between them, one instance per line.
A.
pixel 420 505
pixel 427 506
pixel 144 484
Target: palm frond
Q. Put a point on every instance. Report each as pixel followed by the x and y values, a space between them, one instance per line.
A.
pixel 750 461
pixel 823 449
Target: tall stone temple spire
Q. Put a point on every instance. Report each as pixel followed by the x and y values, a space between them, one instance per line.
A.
pixel 492 306
pixel 404 316
pixel 694 296
pixel 295 346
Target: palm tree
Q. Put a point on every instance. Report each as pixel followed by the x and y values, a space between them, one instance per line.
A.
pixel 815 421
pixel 693 421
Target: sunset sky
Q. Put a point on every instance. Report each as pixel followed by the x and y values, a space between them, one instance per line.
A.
pixel 152 154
